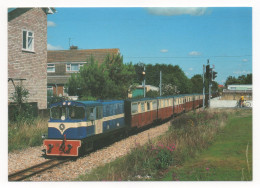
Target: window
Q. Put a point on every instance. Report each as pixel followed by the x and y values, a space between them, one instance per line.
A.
pixel 58 113
pixel 134 108
pixel 90 112
pixel 148 105
pixel 142 107
pixel 73 67
pixel 49 91
pixel 76 113
pixel 50 68
pixel 154 105
pixel 28 40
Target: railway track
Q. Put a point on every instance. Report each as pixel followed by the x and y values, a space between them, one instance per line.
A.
pixel 33 170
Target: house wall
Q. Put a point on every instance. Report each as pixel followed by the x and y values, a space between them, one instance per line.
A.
pixel 31 66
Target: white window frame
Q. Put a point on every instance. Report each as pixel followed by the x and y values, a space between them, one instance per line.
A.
pixel 50 66
pixel 69 65
pixel 26 40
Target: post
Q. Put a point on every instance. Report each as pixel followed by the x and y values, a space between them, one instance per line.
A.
pixel 160 83
pixel 209 87
pixel 144 82
pixel 203 87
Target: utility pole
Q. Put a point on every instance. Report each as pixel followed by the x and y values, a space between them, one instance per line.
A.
pixel 203 86
pixel 160 83
pixel 209 85
pixel 144 81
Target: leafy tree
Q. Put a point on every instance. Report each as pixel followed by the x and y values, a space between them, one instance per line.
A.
pixel 197 83
pixel 172 77
pixel 243 79
pixel 110 80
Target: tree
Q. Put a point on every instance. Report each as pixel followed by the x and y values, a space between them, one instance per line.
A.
pixel 110 80
pixel 172 77
pixel 243 79
pixel 197 83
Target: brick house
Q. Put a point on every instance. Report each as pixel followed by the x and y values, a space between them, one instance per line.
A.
pixel 27 52
pixel 62 63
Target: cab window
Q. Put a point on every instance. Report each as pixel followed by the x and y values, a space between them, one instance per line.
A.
pixel 58 112
pixel 76 112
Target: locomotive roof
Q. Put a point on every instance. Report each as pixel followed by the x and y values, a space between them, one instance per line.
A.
pixel 87 103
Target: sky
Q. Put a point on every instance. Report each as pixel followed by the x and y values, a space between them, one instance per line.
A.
pixel 187 37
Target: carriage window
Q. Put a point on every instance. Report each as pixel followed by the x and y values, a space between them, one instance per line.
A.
pixel 142 107
pixel 58 112
pixel 76 112
pixel 148 105
pixel 90 111
pixel 134 108
pixel 154 105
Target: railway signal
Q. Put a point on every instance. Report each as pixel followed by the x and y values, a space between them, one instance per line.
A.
pixel 214 75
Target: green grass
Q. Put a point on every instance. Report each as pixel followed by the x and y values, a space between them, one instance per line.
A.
pixel 26 134
pixel 229 158
pixel 188 136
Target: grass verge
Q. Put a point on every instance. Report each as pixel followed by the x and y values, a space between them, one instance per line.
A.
pixel 189 135
pixel 229 158
pixel 26 134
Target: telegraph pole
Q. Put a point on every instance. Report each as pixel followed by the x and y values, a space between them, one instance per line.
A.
pixel 209 85
pixel 203 86
pixel 160 83
pixel 144 81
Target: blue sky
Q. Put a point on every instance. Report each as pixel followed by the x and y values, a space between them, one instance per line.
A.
pixel 179 36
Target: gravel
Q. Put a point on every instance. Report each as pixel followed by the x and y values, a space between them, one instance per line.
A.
pixel 69 171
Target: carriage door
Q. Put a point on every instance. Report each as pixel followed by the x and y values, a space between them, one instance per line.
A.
pixel 99 122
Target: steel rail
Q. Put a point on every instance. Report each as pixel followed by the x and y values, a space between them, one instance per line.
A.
pixel 28 172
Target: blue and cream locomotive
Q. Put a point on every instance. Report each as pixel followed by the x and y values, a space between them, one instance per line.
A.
pixel 75 125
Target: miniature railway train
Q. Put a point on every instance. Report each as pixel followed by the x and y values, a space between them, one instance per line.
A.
pixel 75 126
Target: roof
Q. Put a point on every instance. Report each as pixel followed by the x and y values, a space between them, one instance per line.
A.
pixel 16 12
pixel 80 55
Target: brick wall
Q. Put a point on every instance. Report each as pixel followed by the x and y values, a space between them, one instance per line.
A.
pixel 31 66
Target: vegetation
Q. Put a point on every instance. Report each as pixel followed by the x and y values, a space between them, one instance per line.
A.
pixel 244 79
pixel 228 159
pixel 173 78
pixel 110 80
pixel 26 134
pixel 188 136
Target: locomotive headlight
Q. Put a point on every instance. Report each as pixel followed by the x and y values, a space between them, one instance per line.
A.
pixel 64 103
pixel 69 103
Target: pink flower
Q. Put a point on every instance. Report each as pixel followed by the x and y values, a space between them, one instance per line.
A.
pixel 207 168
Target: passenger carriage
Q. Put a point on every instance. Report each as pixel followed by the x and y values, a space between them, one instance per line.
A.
pixel 140 112
pixel 196 100
pixel 178 104
pixel 165 107
pixel 188 102
pixel 75 125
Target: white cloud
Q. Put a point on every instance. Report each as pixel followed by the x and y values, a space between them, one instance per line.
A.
pixel 190 69
pixel 164 50
pixel 51 47
pixel 245 60
pixel 194 53
pixel 173 11
pixel 51 24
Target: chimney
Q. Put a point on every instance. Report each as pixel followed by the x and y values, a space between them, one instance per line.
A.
pixel 73 47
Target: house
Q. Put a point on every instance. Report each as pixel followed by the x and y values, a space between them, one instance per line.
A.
pixel 139 90
pixel 27 52
pixel 62 63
